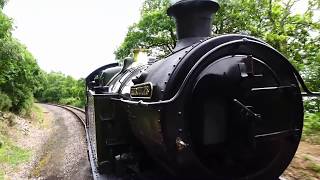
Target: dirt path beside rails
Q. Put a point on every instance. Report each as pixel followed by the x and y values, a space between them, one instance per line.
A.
pixel 64 154
pixel 306 163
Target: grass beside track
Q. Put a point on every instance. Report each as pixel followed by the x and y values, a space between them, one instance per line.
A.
pixel 37 114
pixel 12 155
pixel 311 128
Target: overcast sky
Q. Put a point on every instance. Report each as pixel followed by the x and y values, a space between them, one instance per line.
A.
pixel 72 36
pixel 75 36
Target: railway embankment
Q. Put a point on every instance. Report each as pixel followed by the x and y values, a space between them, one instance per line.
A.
pixel 64 154
pixel 50 144
pixel 20 140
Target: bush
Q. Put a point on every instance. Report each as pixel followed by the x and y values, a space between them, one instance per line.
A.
pixel 311 128
pixel 311 123
pixel 62 89
pixel 20 75
pixel 68 101
pixel 5 102
pixel 312 105
pixel 72 102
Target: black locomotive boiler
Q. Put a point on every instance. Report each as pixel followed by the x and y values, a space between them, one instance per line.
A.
pixel 224 107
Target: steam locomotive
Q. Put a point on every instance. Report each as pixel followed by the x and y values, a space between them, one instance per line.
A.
pixel 225 107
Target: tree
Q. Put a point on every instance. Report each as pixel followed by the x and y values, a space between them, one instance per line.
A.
pixel 297 36
pixel 21 78
pixel 59 88
pixel 2 3
pixel 270 20
pixel 154 31
pixel 20 74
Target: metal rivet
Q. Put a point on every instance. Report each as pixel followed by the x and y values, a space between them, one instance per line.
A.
pixel 169 74
pixel 179 113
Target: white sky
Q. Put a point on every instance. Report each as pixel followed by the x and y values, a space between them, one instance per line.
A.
pixel 72 36
pixel 75 36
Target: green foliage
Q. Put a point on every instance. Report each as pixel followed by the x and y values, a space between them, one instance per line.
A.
pixel 5 102
pixel 11 154
pixel 20 74
pixel 2 3
pixel 37 114
pixel 314 167
pixel 154 31
pixel 296 36
pixel 58 88
pixel 5 25
pixel 312 105
pixel 311 129
pixel 311 123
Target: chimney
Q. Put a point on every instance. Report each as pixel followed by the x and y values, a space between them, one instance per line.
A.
pixel 193 20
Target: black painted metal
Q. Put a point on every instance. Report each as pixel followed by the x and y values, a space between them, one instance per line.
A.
pixel 193 18
pixel 227 107
pixel 193 21
pixel 96 72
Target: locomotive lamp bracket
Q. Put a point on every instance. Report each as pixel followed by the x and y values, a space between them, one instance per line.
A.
pixel 248 62
pixel 248 111
pixel 250 118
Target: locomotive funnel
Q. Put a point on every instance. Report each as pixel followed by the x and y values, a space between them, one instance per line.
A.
pixel 193 18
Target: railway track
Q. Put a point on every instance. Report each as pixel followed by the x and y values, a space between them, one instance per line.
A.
pixel 80 115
